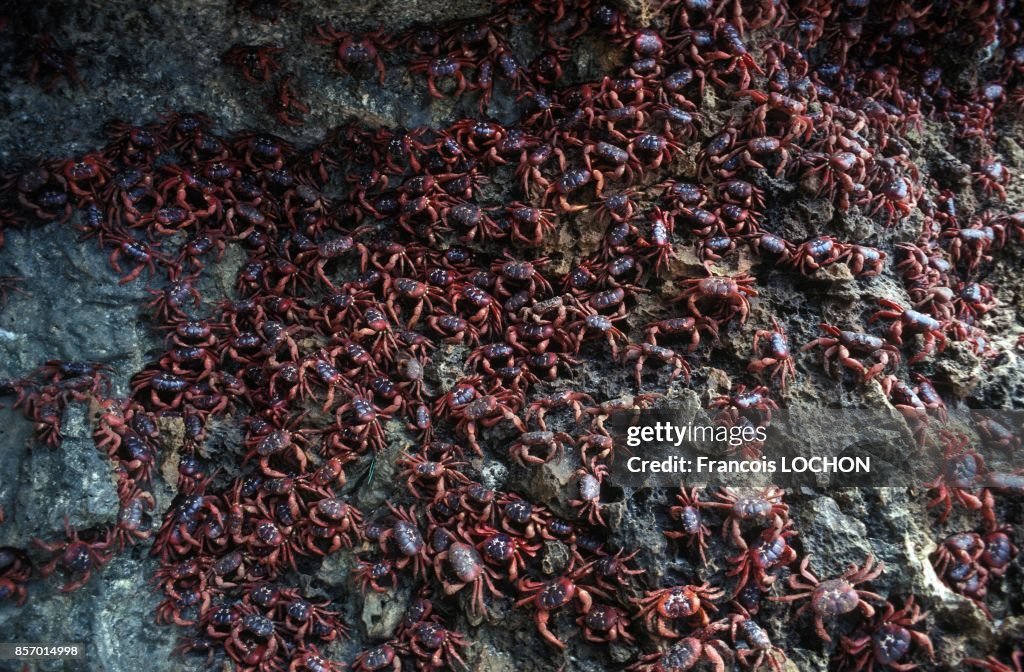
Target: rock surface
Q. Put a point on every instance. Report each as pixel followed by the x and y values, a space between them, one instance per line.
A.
pixel 141 59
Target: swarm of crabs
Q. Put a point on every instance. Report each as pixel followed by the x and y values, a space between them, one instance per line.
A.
pixel 370 254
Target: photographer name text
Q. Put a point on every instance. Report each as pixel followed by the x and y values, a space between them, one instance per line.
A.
pixel 765 465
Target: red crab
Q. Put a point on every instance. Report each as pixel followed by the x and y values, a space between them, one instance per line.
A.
pixel 254 639
pixel 466 568
pixel 910 320
pixel 771 550
pixel 992 664
pixel 691 522
pixel 589 487
pixel 486 411
pixel 507 551
pixel 963 471
pixel 442 67
pixel 15 570
pixel 436 647
pixel 285 104
pixel 685 654
pixel 642 352
pixel 753 646
pixel 604 623
pixel 839 344
pixel 77 556
pixel 547 596
pixel 257 62
pixel 727 297
pixel 662 607
pixel 407 539
pixel 834 597
pixel 378 658
pixel 536 448
pixel 355 50
pixel 51 62
pixel 439 475
pixel 758 506
pixel 886 641
pixel 992 177
pixel 776 356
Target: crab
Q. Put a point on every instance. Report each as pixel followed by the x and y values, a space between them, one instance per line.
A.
pixel 956 559
pixel 467 568
pixel 910 320
pixel 592 326
pixel 686 653
pixel 816 253
pixel 690 520
pixel 992 664
pixel 973 299
pixel 839 344
pixel 136 252
pixel 569 182
pixel 423 475
pixel 547 596
pixel 508 551
pixel 256 62
pixel 130 516
pixel 376 576
pixel 760 506
pixel 378 658
pixel 407 539
pixel 307 658
pixel 436 647
pixel 887 641
pixel 995 433
pixel 929 396
pixel 331 524
pixel 355 49
pixel 963 469
pixel 675 327
pixel 840 175
pixel 727 295
pixel 440 68
pixel 834 597
pixel 771 550
pixel 521 518
pixel 567 399
pixel 77 556
pixel 265 442
pixel 992 178
pixel 642 352
pixel 662 607
pixel 15 570
pixel 540 447
pixel 863 261
pixel 604 623
pixel 523 218
pixel 361 420
pixel 285 104
pixel 896 198
pixel 752 644
pixel 762 146
pixel 776 356
pixel 515 275
pixel 485 411
pixel 743 405
pixel 971 244
pixel 254 638
pixel 45 195
pixel 589 487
